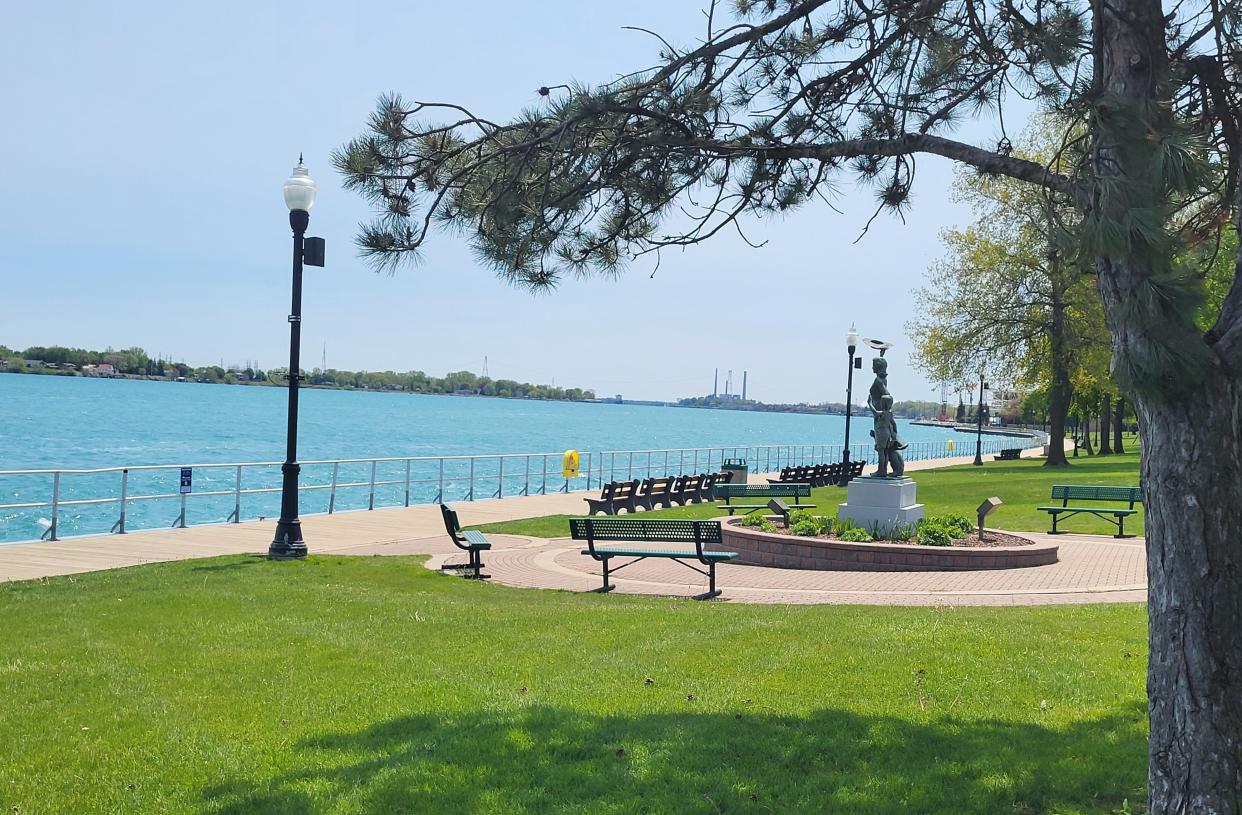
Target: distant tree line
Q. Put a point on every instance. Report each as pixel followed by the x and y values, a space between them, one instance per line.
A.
pixel 908 409
pixel 137 363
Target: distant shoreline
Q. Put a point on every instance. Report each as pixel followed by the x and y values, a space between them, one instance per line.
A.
pixel 270 384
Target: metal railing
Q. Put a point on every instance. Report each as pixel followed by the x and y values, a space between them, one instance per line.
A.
pixel 92 501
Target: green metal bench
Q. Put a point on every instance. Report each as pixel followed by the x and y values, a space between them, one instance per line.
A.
pixel 782 489
pixel 1076 492
pixel 655 530
pixel 471 540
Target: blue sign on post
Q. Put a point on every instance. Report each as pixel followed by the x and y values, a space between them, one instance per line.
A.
pixel 187 477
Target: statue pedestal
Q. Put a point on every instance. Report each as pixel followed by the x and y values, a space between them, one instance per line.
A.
pixel 880 504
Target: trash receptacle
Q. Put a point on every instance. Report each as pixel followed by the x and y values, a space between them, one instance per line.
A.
pixel 739 469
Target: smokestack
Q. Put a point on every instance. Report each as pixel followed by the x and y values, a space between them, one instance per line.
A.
pixel 744 386
pixel 716 384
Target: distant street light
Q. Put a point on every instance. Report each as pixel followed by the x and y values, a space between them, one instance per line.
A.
pixel 299 192
pixel 983 386
pixel 851 344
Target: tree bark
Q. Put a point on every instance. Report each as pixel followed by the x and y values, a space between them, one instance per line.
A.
pixel 1191 480
pixel 1086 435
pixel 1106 422
pixel 1119 415
pixel 1059 392
pixel 1191 435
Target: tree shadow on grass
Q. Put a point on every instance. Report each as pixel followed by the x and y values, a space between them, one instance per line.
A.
pixel 550 760
pixel 234 563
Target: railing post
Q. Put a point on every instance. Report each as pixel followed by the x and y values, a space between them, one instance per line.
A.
pixel 470 494
pixel 526 488
pixel 371 497
pixel 440 494
pixel 237 495
pixel 500 479
pixel 181 520
pixel 407 482
pixel 612 467
pixel 124 494
pixel 629 461
pixel 543 486
pixel 336 469
pixel 51 530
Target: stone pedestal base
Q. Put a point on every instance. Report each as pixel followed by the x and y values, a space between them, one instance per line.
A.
pixel 880 504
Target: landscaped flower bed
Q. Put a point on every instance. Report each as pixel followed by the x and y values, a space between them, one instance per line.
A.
pixel 818 542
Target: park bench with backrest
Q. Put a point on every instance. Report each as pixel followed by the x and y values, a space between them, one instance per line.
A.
pixel 615 496
pixel 688 490
pixel 470 540
pixel 656 492
pixel 1009 454
pixel 612 531
pixel 722 477
pixel 1095 495
pixel 761 492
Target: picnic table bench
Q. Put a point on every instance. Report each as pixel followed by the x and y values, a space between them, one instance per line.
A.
pixel 655 530
pixel 471 540
pixel 615 495
pixel 1076 492
pixel 765 491
pixel 1009 454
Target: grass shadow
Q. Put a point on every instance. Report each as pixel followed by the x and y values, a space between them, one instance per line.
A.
pixel 543 759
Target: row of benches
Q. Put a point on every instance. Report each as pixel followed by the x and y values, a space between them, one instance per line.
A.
pixel 652 492
pixel 818 475
pixel 703 534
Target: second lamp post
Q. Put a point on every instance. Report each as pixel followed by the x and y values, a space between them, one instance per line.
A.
pixel 299 192
pixel 851 345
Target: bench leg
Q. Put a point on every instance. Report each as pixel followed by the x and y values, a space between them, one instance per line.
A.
pixel 607 587
pixel 712 591
pixel 1054 530
pixel 1121 528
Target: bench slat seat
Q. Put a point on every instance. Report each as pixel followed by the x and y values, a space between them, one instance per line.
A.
pixel 655 530
pixel 613 551
pixel 476 540
pixel 784 489
pixel 1091 492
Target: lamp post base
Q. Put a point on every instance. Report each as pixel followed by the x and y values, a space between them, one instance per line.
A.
pixel 288 544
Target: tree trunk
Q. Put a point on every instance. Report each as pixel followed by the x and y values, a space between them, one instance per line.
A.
pixel 1106 421
pixel 1119 415
pixel 1190 421
pixel 1086 435
pixel 1059 392
pixel 1077 443
pixel 1192 478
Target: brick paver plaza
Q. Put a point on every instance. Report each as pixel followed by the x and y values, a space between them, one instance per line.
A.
pixel 1090 568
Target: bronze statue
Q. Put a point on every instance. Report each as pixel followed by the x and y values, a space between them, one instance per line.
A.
pixel 887 443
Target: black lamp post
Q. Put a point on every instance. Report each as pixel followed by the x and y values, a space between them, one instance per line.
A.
pixel 851 343
pixel 978 462
pixel 299 192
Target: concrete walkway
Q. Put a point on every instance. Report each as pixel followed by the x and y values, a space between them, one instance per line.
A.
pixel 1091 569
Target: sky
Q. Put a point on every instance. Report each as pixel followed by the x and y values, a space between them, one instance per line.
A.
pixel 140 204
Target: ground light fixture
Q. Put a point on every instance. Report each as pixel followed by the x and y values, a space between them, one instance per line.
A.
pixel 985 509
pixel 851 345
pixel 299 191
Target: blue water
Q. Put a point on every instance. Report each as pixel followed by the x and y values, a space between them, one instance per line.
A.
pixel 77 423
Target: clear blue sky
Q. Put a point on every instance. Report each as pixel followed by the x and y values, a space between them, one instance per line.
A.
pixel 145 144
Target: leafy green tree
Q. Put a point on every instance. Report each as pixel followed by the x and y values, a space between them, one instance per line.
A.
pixel 764 113
pixel 1011 297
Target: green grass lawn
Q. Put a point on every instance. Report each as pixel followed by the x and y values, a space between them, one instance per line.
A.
pixel 1023 485
pixel 371 685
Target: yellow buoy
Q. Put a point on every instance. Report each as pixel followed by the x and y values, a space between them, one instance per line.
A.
pixel 569 464
pixel 950 445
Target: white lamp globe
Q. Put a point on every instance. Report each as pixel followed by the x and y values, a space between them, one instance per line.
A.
pixel 851 339
pixel 299 189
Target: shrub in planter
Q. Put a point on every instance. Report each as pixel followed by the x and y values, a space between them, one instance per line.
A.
pixel 855 534
pixel 758 522
pixel 806 525
pixel 933 533
pixel 958 524
pixel 903 533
